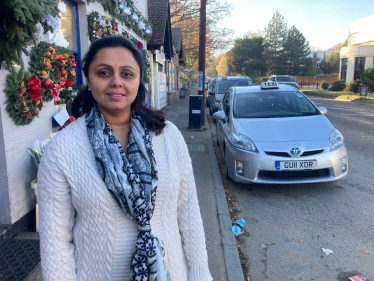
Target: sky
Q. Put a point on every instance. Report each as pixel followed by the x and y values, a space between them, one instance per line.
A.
pixel 322 22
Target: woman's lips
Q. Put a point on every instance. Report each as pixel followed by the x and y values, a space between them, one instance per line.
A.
pixel 115 96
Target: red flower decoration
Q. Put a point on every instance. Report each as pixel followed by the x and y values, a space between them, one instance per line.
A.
pixel 35 88
pixel 55 92
pixel 68 83
pixel 140 46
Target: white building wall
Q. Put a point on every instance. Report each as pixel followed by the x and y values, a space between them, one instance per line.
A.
pixel 350 70
pixel 17 169
pixel 352 52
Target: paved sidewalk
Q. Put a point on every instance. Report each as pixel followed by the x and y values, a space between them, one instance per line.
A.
pixel 223 254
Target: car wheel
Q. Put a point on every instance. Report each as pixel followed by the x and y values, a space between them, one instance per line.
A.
pixel 227 173
pixel 226 167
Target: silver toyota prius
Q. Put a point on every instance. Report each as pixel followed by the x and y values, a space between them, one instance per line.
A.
pixel 273 134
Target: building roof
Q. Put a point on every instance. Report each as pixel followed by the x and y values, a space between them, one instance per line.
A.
pixel 159 15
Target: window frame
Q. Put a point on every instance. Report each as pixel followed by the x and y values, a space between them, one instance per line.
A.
pixel 359 67
pixel 343 69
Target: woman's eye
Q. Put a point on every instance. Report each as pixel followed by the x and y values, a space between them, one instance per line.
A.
pixel 103 73
pixel 126 74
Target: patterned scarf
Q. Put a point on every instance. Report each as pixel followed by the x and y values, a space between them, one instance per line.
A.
pixel 131 178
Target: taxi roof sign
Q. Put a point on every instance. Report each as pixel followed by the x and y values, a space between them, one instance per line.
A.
pixel 269 85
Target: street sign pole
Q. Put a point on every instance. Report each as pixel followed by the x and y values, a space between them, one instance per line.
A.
pixel 202 36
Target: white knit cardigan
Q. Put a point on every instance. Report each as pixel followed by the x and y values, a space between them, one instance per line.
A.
pixel 84 235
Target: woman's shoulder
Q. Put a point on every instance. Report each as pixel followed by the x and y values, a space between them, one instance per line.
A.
pixel 71 134
pixel 171 130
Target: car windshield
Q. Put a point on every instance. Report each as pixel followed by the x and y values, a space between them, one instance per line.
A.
pixel 223 86
pixel 273 104
pixel 285 79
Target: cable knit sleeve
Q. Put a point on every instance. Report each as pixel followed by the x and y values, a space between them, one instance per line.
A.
pixel 56 214
pixel 190 222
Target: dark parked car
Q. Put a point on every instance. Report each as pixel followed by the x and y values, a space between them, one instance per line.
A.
pixel 208 88
pixel 220 86
pixel 284 79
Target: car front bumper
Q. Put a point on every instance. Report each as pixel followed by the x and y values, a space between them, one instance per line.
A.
pixel 261 168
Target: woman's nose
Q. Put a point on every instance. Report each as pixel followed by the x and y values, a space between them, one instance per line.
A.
pixel 116 80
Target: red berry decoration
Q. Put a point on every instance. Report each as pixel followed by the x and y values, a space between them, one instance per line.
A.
pixel 46 83
pixel 50 48
pixel 60 57
pixel 63 72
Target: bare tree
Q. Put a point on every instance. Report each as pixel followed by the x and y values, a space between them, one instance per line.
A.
pixel 185 14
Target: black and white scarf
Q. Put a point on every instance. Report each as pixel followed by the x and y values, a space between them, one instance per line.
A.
pixel 131 178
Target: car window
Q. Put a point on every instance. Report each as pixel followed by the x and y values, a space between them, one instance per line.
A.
pixel 272 105
pixel 285 79
pixel 223 86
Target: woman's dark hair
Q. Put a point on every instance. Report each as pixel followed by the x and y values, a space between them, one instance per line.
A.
pixel 84 101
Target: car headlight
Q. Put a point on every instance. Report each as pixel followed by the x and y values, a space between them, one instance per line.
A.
pixel 243 142
pixel 336 139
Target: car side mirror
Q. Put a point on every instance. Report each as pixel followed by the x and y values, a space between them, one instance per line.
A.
pixel 219 115
pixel 323 110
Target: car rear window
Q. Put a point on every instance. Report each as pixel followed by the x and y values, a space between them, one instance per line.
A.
pixel 273 105
pixel 285 79
pixel 223 86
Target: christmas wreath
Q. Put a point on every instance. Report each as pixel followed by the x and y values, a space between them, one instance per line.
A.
pixel 51 76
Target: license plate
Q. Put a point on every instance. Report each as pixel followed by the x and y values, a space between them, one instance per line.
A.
pixel 296 165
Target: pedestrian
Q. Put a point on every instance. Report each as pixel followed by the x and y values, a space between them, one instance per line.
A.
pixel 117 196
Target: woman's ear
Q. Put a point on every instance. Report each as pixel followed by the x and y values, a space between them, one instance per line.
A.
pixel 88 83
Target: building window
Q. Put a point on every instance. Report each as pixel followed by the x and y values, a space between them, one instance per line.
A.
pixel 318 63
pixel 343 71
pixel 359 67
pixel 68 36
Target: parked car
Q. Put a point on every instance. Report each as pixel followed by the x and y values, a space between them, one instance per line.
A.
pixel 273 134
pixel 284 79
pixel 221 85
pixel 208 88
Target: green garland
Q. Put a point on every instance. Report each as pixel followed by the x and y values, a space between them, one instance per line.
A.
pixel 18 26
pixel 100 26
pixel 51 76
pixel 110 7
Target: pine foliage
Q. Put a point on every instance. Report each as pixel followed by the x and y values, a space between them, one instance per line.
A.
pixel 18 20
pixel 297 50
pixel 275 34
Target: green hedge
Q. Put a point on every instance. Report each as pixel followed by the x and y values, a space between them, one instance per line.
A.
pixel 352 86
pixel 324 85
pixel 338 85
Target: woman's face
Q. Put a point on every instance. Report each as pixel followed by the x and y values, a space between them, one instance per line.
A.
pixel 113 77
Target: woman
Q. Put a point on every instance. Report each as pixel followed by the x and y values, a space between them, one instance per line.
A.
pixel 100 215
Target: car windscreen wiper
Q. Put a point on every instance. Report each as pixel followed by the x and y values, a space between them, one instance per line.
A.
pixel 310 113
